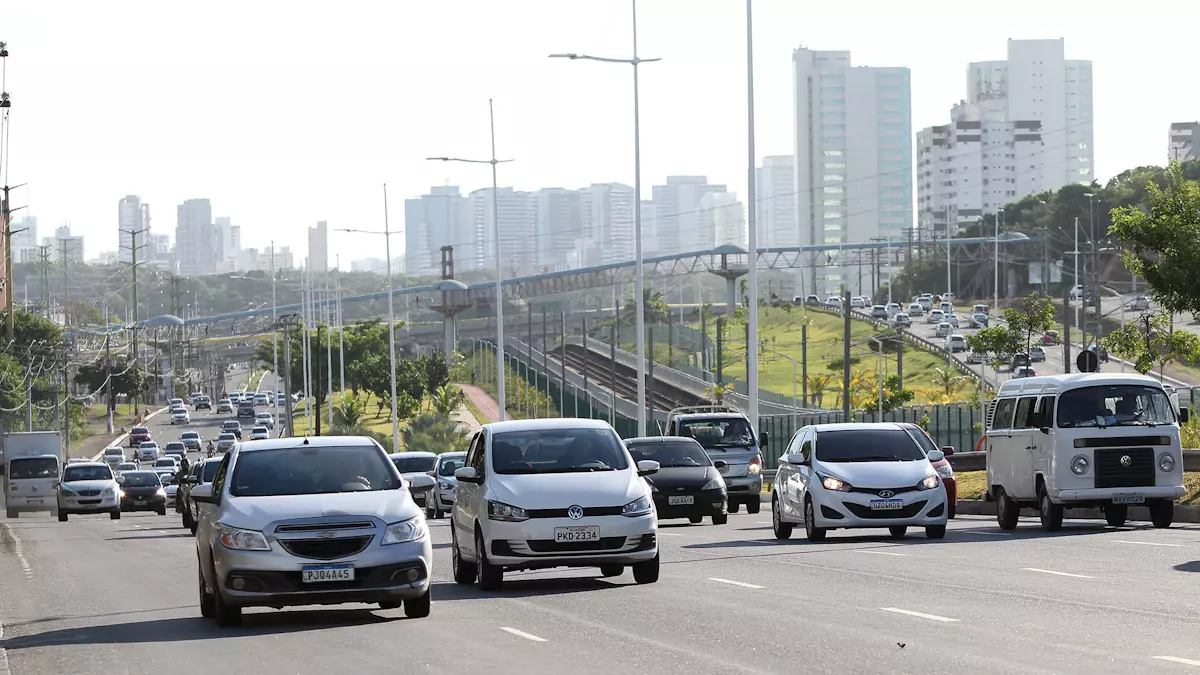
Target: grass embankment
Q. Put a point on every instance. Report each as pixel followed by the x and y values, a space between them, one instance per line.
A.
pixel 253 379
pixel 973 484
pixel 374 418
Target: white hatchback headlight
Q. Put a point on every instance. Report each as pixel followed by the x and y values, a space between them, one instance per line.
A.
pixel 506 512
pixel 241 540
pixel 638 507
pixel 834 484
pixel 412 529
pixel 929 483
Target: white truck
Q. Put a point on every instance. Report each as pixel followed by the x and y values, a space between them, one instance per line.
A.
pixel 32 470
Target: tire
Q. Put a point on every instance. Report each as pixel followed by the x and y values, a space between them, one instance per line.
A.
pixel 187 519
pixel 720 519
pixel 62 516
pixel 811 531
pixel 1162 513
pixel 646 572
pixel 935 531
pixel 207 609
pixel 194 527
pixel 162 511
pixel 1007 511
pixel 114 514
pixel 430 514
pixel 1051 513
pixel 418 607
pixel 733 507
pixel 695 519
pixel 491 577
pixel 11 514
pixel 897 531
pixel 1116 514
pixel 612 570
pixel 783 531
pixel 754 506
pixel 226 615
pixel 464 572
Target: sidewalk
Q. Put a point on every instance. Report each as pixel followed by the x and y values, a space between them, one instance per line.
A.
pixel 483 401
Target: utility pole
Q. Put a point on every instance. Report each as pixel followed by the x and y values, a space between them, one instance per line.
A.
pixel 111 394
pixel 6 211
pixel 133 265
pixel 66 295
pixel 846 355
pixel 44 279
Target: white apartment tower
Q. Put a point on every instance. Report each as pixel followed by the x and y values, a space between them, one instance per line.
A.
pixel 677 213
pixel 1025 128
pixel 441 218
pixel 318 247
pixel 853 155
pixel 776 180
pixel 607 225
pixel 132 216
pixel 196 245
pixel 723 220
pixel 517 224
pixel 559 219
pixel 1183 143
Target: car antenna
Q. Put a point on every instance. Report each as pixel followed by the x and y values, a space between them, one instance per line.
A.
pixel 305 440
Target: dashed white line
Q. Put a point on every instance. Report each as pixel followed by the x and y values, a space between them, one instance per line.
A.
pixel 919 615
pixel 1176 659
pixel 863 550
pixel 670 534
pixel 988 534
pixel 522 634
pixel 1145 543
pixel 3 654
pixel 731 582
pixel 1055 573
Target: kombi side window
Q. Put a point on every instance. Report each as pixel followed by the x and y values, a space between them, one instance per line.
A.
pixel 1024 418
pixel 1043 413
pixel 1003 414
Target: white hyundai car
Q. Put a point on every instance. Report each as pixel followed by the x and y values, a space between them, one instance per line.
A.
pixel 547 493
pixel 835 476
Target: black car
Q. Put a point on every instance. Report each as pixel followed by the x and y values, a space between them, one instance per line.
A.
pixel 232 427
pixel 203 403
pixel 688 483
pixel 246 409
pixel 202 473
pixel 142 491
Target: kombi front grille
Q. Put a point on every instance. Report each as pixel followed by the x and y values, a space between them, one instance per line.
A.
pixel 1124 467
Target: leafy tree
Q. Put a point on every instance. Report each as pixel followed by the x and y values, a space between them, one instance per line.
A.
pixel 410 378
pixel 1032 315
pixel 447 400
pixel 654 303
pixel 351 412
pixel 997 342
pixel 717 392
pixel 437 371
pixel 1162 242
pixel 1150 341
pixel 431 432
pixel 124 379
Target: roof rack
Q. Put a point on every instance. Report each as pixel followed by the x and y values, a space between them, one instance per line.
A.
pixel 700 409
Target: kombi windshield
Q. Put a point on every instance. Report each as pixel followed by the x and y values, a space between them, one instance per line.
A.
pixel 1115 405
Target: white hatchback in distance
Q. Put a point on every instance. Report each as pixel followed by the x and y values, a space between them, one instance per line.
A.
pixel 547 493
pixel 835 476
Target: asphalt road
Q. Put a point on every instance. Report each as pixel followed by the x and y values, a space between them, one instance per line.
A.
pixel 94 595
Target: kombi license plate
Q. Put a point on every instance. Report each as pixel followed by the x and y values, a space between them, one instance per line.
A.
pixel 315 574
pixel 1129 499
pixel 681 500
pixel 887 504
pixel 564 535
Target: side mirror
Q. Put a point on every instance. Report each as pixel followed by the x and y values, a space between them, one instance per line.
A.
pixel 467 474
pixel 120 480
pixel 1045 430
pixel 936 456
pixel 796 458
pixel 947 450
pixel 763 439
pixel 204 494
pixel 1184 415
pixel 720 464
pixel 647 467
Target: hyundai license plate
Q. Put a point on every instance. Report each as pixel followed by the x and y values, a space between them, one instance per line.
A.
pixel 564 535
pixel 681 500
pixel 887 504
pixel 1128 499
pixel 315 574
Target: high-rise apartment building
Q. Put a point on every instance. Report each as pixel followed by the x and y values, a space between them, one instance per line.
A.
pixel 776 208
pixel 853 155
pixel 132 217
pixel 196 241
pixel 441 218
pixel 229 238
pixel 1025 128
pixel 318 247
pixel 66 248
pixel 607 223
pixel 559 222
pixel 1183 142
pixel 722 220
pixel 677 213
pixel 517 224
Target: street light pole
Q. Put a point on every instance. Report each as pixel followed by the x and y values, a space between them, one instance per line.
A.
pixel 752 220
pixel 639 275
pixel 274 321
pixel 499 288
pixel 387 237
pixel 996 264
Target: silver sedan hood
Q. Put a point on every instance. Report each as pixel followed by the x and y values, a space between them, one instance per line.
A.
pixel 257 513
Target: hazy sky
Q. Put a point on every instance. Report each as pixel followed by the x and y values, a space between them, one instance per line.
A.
pixel 285 113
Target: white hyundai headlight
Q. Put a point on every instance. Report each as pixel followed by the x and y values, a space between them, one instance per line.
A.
pixel 835 484
pixel 241 540
pixel 412 529
pixel 638 507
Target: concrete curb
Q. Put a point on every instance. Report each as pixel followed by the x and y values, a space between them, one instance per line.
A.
pixel 1184 513
pixel 121 439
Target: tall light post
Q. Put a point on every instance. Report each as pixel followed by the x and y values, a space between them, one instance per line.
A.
pixel 275 323
pixel 752 220
pixel 1095 282
pixel 639 277
pixel 996 264
pixel 500 394
pixel 387 237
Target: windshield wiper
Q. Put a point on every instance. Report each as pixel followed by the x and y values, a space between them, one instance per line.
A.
pixel 873 458
pixel 586 469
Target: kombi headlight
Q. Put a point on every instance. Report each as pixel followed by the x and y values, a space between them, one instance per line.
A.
pixel 405 531
pixel 506 512
pixel 930 482
pixel 1079 465
pixel 1166 461
pixel 241 540
pixel 638 507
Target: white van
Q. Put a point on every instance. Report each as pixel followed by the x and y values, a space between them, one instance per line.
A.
pixel 1084 440
pixel 32 485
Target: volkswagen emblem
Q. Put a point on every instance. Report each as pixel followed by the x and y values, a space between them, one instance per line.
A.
pixel 886 493
pixel 1126 460
pixel 575 512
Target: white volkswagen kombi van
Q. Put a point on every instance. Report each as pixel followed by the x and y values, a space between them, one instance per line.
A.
pixel 1084 440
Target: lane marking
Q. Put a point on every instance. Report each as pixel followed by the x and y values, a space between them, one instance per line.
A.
pixel 1060 574
pixel 988 534
pixel 669 534
pixel 1176 659
pixel 1145 543
pixel 3 654
pixel 522 634
pixel 919 615
pixel 19 549
pixel 764 522
pixel 731 582
pixel 862 550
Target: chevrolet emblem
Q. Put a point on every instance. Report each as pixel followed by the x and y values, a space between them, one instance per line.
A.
pixel 324 535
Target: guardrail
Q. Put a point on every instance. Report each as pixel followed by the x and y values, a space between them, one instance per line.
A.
pixel 977 461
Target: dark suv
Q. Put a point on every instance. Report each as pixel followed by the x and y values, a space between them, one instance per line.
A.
pixel 203 403
pixel 232 427
pixel 246 409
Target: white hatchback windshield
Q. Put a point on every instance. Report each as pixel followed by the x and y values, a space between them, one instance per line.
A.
pixel 558 451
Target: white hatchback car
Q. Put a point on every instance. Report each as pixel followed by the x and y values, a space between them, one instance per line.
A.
pixel 547 493
pixel 835 476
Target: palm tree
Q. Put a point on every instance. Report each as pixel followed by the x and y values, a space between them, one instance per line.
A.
pixel 446 400
pixel 351 412
pixel 947 382
pixel 817 386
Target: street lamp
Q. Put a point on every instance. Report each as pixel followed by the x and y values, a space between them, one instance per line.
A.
pixel 639 277
pixel 387 237
pixel 496 251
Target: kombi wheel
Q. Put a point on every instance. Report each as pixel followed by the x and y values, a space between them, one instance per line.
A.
pixel 1116 514
pixel 1051 513
pixel 1007 511
pixel 1162 513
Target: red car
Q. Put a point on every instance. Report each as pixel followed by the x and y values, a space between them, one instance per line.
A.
pixel 942 466
pixel 139 435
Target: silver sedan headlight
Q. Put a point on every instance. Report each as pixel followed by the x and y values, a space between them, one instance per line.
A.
pixel 241 540
pixel 404 531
